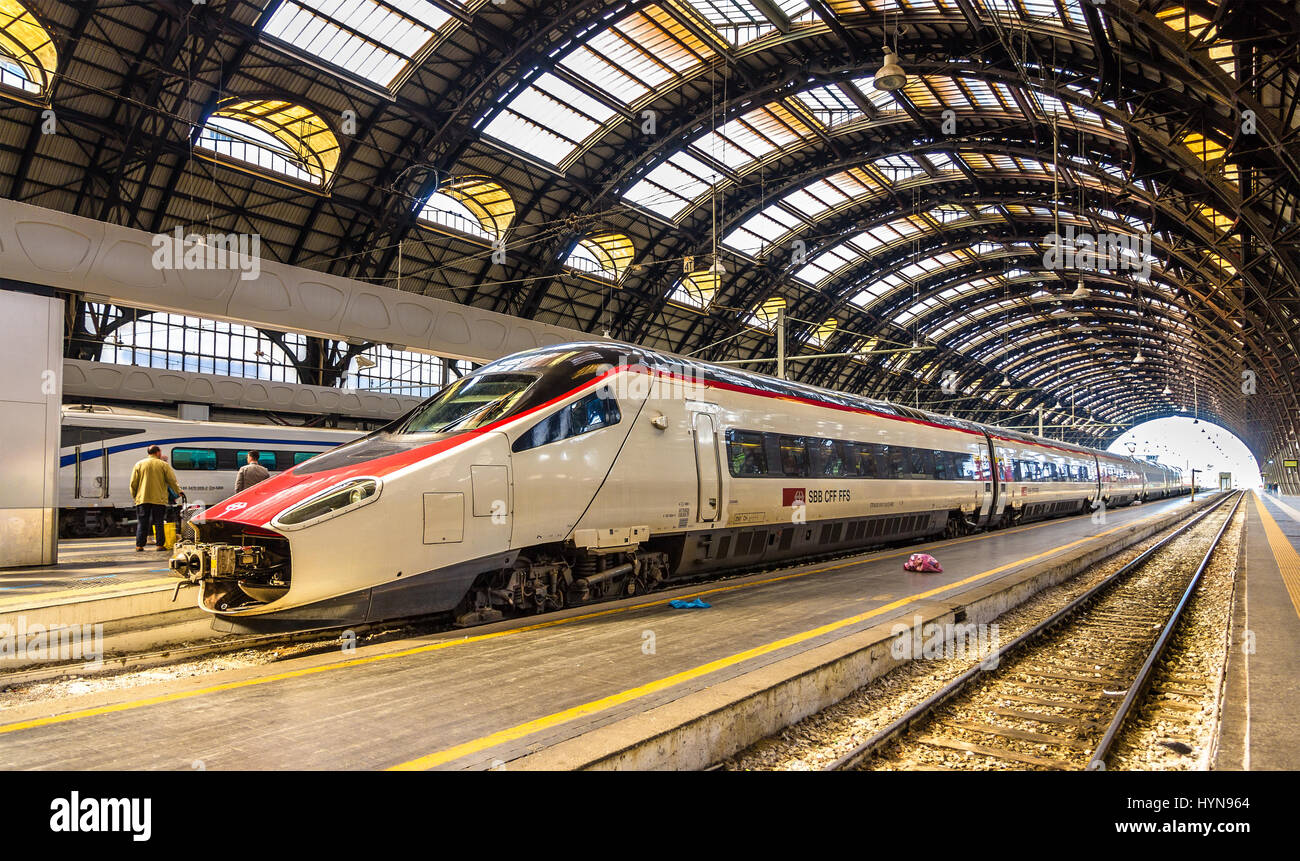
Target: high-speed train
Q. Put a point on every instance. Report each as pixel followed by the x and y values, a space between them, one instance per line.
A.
pixel 585 471
pixel 99 446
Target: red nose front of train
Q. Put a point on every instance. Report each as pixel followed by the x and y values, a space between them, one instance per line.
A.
pixel 241 551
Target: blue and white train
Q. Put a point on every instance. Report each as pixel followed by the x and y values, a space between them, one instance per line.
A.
pixel 99 446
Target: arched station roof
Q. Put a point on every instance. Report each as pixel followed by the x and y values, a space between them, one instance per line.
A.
pixel 671 172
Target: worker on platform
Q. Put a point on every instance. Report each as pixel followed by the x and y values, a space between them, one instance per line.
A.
pixel 251 473
pixel 151 479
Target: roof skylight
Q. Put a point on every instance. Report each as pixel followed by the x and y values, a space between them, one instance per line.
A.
pixel 378 40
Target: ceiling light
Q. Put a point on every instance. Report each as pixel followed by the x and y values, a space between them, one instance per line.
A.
pixel 1006 381
pixel 1167 392
pixel 717 268
pixel 1081 292
pixel 890 76
pixel 1139 358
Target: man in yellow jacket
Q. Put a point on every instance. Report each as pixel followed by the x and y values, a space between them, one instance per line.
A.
pixel 150 480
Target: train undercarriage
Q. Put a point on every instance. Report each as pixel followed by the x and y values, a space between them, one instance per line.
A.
pixel 550 579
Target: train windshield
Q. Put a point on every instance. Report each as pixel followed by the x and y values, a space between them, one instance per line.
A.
pixel 469 403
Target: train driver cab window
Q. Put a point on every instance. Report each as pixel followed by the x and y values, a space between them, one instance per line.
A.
pixel 597 410
pixel 194 458
pixel 745 453
pixel 470 402
pixel 265 458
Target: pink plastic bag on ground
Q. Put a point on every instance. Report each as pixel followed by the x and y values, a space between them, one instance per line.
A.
pixel 923 562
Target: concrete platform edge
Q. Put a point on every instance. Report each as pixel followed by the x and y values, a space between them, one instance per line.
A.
pixel 705 727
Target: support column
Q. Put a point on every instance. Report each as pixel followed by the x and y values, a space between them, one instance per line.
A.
pixel 31 394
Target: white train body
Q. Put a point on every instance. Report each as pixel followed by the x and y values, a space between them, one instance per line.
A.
pixel 582 471
pixel 99 447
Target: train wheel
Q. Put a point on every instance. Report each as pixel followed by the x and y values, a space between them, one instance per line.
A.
pixel 956 526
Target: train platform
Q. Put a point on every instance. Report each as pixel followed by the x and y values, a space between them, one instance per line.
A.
pixel 100 581
pixel 1262 693
pixel 628 684
pixel 85 565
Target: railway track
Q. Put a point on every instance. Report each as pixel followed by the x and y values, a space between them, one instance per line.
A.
pixel 323 639
pixel 1059 695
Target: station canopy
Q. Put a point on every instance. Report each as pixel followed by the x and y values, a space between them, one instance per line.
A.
pixel 684 173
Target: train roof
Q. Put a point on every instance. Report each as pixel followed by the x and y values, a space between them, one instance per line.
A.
pixel 582 353
pixel 84 412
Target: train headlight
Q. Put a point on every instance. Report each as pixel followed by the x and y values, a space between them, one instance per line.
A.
pixel 336 500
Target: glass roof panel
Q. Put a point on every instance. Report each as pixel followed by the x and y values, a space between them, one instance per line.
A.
pixel 549 119
pixel 605 256
pixel 831 106
pixel 373 39
pixel 671 186
pixel 278 136
pixel 638 54
pixel 28 58
pixel 696 290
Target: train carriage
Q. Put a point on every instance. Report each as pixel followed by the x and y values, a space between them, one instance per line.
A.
pixel 581 472
pixel 100 445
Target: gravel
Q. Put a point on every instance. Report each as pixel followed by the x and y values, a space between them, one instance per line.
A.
pixel 820 739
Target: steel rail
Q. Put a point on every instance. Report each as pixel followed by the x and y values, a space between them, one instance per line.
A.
pixel 990 663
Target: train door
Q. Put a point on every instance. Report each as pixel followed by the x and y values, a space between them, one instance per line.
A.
pixel 707 468
pixel 984 493
pixel 1001 480
pixel 90 479
pixel 491 500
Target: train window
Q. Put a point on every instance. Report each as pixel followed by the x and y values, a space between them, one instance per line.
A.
pixel 300 456
pixel 468 403
pixel 827 457
pixel 745 453
pixel 597 410
pixel 896 461
pixel 265 458
pixel 942 465
pixel 920 463
pixel 863 459
pixel 194 458
pixel 794 456
pixel 86 435
pixel 963 466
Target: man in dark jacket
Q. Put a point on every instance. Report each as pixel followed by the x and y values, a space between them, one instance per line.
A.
pixel 251 473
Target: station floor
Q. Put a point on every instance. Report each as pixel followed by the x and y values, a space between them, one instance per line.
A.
pixel 1263 678
pixel 86 567
pixel 484 697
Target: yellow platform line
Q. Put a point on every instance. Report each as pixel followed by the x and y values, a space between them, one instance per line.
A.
pixel 516 732
pixel 1291 512
pixel 1288 560
pixel 447 644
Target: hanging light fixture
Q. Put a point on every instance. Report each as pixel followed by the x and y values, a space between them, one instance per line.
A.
pixel 1081 292
pixel 1006 381
pixel 1139 359
pixel 1167 392
pixel 890 76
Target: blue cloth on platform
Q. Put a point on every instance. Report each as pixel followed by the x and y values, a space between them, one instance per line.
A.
pixel 689 605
